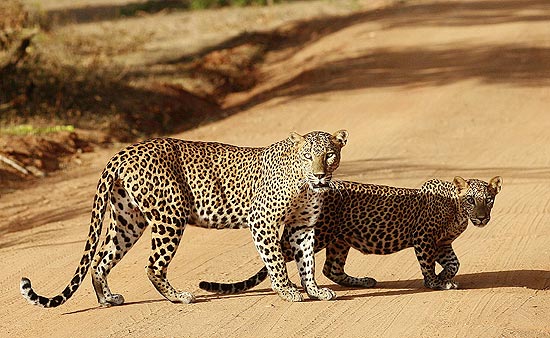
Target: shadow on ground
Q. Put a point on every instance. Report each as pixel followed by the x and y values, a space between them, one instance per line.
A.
pixel 105 12
pixel 531 279
pixel 437 13
pixel 172 107
pixel 88 98
pixel 515 64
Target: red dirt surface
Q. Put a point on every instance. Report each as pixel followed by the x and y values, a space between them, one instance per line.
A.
pixel 427 89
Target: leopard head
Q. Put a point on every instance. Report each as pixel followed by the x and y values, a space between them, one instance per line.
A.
pixel 319 155
pixel 477 198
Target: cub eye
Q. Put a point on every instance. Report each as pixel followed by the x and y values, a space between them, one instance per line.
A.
pixel 331 156
pixel 471 200
pixel 308 156
pixel 489 200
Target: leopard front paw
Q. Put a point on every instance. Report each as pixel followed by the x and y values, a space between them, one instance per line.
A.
pixel 290 294
pixel 322 294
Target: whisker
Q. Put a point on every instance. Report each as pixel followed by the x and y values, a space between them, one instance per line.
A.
pixel 336 185
pixel 346 191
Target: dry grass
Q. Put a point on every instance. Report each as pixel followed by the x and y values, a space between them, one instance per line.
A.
pixel 72 80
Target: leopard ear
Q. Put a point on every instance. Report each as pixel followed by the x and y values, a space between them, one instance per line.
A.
pixel 496 184
pixel 460 184
pixel 341 137
pixel 296 138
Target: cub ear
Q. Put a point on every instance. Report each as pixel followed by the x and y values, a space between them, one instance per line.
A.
pixel 296 138
pixel 341 136
pixel 496 184
pixel 460 184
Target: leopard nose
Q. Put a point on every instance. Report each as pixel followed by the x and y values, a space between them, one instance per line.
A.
pixel 483 219
pixel 320 176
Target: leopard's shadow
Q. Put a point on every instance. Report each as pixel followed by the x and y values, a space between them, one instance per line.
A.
pixel 149 301
pixel 531 279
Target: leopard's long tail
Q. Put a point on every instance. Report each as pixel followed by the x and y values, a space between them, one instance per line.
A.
pixel 231 288
pixel 98 212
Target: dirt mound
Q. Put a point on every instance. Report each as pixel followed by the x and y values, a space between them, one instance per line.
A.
pixel 24 158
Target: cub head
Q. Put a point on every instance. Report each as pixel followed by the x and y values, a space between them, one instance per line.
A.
pixel 319 155
pixel 477 198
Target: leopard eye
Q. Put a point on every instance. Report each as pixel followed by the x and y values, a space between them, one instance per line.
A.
pixel 470 200
pixel 308 156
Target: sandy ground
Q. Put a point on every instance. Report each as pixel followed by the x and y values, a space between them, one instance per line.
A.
pixel 426 89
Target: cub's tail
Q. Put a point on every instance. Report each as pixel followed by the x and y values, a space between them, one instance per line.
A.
pixel 231 288
pixel 100 205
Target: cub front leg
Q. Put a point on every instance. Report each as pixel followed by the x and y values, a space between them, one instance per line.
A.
pixel 302 241
pixel 425 250
pixel 446 257
pixel 267 244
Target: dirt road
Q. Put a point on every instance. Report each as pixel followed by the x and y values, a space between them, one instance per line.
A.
pixel 426 89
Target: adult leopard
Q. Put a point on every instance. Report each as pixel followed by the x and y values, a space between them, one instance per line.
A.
pixel 377 219
pixel 168 183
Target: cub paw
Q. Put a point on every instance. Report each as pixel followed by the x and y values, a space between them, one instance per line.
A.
pixel 366 282
pixel 441 285
pixel 433 284
pixel 450 284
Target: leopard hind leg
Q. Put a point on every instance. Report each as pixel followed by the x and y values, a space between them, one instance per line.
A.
pixel 126 227
pixel 336 255
pixel 167 213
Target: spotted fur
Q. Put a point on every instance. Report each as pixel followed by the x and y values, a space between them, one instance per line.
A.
pixel 376 219
pixel 169 183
